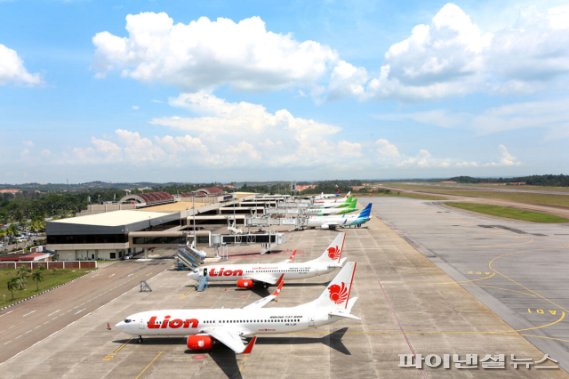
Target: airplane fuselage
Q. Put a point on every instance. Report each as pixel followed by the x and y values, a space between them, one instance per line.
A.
pixel 249 322
pixel 290 270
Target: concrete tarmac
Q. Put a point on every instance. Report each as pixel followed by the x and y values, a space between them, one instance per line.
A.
pixel 518 269
pixel 406 303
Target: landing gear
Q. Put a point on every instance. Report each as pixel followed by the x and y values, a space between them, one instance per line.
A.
pixel 140 339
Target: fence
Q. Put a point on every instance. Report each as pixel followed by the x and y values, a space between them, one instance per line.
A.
pixel 49 265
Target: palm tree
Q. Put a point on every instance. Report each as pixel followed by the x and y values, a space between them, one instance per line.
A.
pixel 22 272
pixel 14 284
pixel 37 277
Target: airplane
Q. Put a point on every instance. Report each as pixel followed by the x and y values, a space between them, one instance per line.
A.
pixel 341 209
pixel 230 326
pixel 332 201
pixel 345 203
pixel 265 274
pixel 340 221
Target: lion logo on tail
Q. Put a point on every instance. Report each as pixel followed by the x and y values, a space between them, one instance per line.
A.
pixel 334 252
pixel 338 293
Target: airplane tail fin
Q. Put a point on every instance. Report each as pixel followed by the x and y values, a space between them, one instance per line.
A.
pixel 333 252
pixel 366 212
pixel 336 296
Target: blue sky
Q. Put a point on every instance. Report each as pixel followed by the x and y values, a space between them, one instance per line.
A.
pixel 257 90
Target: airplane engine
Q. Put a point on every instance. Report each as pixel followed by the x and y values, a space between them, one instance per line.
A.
pixel 200 342
pixel 245 283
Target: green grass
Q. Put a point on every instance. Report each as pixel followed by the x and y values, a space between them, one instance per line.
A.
pixel 51 278
pixel 559 201
pixel 508 212
pixel 421 196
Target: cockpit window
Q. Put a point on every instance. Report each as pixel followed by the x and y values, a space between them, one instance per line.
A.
pixel 127 320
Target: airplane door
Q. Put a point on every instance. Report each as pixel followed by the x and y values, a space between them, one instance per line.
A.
pixel 141 324
pixel 311 321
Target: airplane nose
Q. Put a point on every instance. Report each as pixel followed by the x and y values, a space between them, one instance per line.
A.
pixel 119 325
pixel 193 275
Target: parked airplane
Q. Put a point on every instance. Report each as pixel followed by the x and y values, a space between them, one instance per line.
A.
pixel 342 204
pixel 340 221
pixel 231 326
pixel 247 275
pixel 333 200
pixel 341 209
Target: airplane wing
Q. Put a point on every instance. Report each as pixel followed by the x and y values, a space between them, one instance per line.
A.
pixel 228 337
pixel 267 299
pixel 264 278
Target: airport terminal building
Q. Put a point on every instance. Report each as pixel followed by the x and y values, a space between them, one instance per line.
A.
pixel 109 231
pixel 103 235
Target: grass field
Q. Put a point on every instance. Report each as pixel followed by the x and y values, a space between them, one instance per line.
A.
pixel 421 196
pixel 51 278
pixel 559 201
pixel 508 212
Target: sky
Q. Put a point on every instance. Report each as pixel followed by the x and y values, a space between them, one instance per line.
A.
pixel 219 90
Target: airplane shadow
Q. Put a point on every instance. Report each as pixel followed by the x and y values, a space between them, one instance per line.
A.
pixel 332 340
pixel 226 359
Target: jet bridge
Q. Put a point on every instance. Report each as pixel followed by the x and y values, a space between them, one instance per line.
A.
pixel 267 222
pixel 189 257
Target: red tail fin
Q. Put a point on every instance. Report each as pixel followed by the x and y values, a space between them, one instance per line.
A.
pixel 249 347
pixel 280 284
pixel 291 258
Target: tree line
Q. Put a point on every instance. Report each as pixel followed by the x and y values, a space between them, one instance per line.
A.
pixel 533 180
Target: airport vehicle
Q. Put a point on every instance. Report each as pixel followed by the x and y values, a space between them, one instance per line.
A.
pixel 344 208
pixel 231 326
pixel 340 221
pixel 248 275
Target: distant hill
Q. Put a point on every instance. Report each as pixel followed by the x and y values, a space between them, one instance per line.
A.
pixel 533 180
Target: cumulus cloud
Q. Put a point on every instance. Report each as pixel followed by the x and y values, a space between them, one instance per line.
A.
pixel 12 70
pixel 452 55
pixel 208 53
pixel 222 134
pixel 388 155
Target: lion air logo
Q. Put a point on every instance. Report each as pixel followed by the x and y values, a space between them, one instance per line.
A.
pixel 334 252
pixel 338 293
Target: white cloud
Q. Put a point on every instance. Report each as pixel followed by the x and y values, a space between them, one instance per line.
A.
pixel 388 155
pixel 452 55
pixel 206 53
pixel 551 115
pixel 12 70
pixel 226 135
pixel 507 159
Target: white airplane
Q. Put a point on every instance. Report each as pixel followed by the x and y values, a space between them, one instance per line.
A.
pixel 332 201
pixel 340 221
pixel 231 326
pixel 247 275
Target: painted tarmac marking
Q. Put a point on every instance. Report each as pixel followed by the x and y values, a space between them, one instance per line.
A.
pixel 541 311
pixel 54 312
pixel 111 356
pixel 149 365
pixel 79 311
pixel 537 294
pixel 29 313
pixel 7 313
